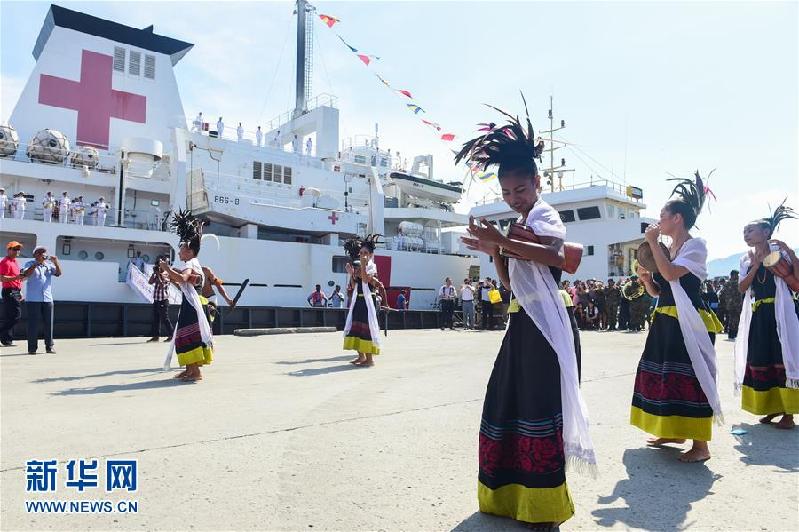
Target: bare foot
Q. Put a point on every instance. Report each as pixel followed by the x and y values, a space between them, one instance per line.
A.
pixel 366 364
pixel 657 442
pixel 181 374
pixel 697 453
pixel 768 419
pixel 786 423
pixel 358 361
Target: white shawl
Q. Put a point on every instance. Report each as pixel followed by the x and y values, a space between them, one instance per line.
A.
pixel 787 331
pixel 374 327
pixel 194 299
pixel 536 291
pixel 693 256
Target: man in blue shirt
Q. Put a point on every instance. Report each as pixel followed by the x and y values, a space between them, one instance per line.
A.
pixel 39 274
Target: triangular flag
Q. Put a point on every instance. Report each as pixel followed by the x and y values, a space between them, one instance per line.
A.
pixel 330 21
pixel 406 93
pixel 447 136
pixel 347 44
pixel 383 80
pixel 432 124
pixel 415 108
pixel 365 58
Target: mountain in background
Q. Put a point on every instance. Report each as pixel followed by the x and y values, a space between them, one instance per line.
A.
pixel 723 267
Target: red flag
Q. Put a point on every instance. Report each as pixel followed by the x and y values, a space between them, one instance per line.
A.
pixel 365 58
pixel 448 136
pixel 330 21
pixel 432 124
pixel 406 93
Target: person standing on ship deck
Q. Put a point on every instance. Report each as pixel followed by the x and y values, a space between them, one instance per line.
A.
pixel 258 136
pixel 240 133
pixel 63 208
pixel 220 128
pixel 47 207
pixel 3 203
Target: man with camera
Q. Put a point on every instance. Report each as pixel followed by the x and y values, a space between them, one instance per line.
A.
pixel 39 274
pixel 160 281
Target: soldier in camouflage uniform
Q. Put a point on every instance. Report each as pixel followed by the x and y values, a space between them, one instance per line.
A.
pixel 612 300
pixel 732 301
pixel 638 303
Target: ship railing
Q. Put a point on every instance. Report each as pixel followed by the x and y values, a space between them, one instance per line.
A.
pixel 274 193
pixel 602 182
pixel 107 161
pixel 147 219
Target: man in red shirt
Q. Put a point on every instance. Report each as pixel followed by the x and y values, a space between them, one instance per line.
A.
pixel 12 295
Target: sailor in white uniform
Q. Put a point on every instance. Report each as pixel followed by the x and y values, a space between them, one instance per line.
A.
pixel 295 144
pixel 63 208
pixel 220 127
pixel 102 211
pixel 258 136
pixel 19 205
pixel 240 132
pixel 3 203
pixel 78 210
pixel 198 123
pixel 47 207
pixel 308 146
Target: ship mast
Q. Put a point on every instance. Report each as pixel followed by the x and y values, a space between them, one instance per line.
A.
pixel 304 56
pixel 549 173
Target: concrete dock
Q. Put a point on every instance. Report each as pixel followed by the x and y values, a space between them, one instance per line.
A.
pixel 284 434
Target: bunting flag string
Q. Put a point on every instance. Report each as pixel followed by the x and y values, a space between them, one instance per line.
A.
pixel 367 60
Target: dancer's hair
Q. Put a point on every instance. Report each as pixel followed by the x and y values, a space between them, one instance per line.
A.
pixel 691 195
pixel 513 147
pixel 189 228
pixel 770 223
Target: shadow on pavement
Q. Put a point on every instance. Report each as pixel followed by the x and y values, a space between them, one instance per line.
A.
pixel 310 372
pixel 98 375
pixel 311 360
pixel 167 382
pixel 767 445
pixel 658 492
pixel 480 522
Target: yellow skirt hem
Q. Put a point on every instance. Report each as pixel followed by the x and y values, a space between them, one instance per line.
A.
pixel 774 401
pixel 531 505
pixel 679 427
pixel 360 345
pixel 198 355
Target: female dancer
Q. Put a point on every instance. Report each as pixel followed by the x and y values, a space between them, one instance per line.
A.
pixel 192 338
pixel 675 395
pixel 534 419
pixel 361 331
pixel 767 348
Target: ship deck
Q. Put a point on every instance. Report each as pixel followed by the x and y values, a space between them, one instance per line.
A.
pixel 284 434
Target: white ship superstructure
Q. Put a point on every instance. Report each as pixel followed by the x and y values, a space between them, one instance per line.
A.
pixel 101 116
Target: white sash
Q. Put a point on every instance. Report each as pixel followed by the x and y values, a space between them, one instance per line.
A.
pixel 194 299
pixel 693 256
pixel 536 291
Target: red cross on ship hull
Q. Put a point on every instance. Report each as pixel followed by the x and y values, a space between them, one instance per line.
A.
pixel 94 98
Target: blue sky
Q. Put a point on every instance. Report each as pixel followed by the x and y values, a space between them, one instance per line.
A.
pixel 646 88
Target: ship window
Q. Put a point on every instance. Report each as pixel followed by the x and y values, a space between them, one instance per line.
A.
pixel 267 171
pixel 383 162
pixel 278 174
pixel 287 175
pixel 360 159
pixel 566 216
pixel 611 211
pixel 256 170
pixel 119 59
pixel 149 66
pixel 588 251
pixel 340 264
pixel 134 66
pixel 588 213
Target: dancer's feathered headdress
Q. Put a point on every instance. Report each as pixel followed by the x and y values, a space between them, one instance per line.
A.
pixel 353 245
pixel 189 229
pixel 782 212
pixel 691 195
pixel 512 146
